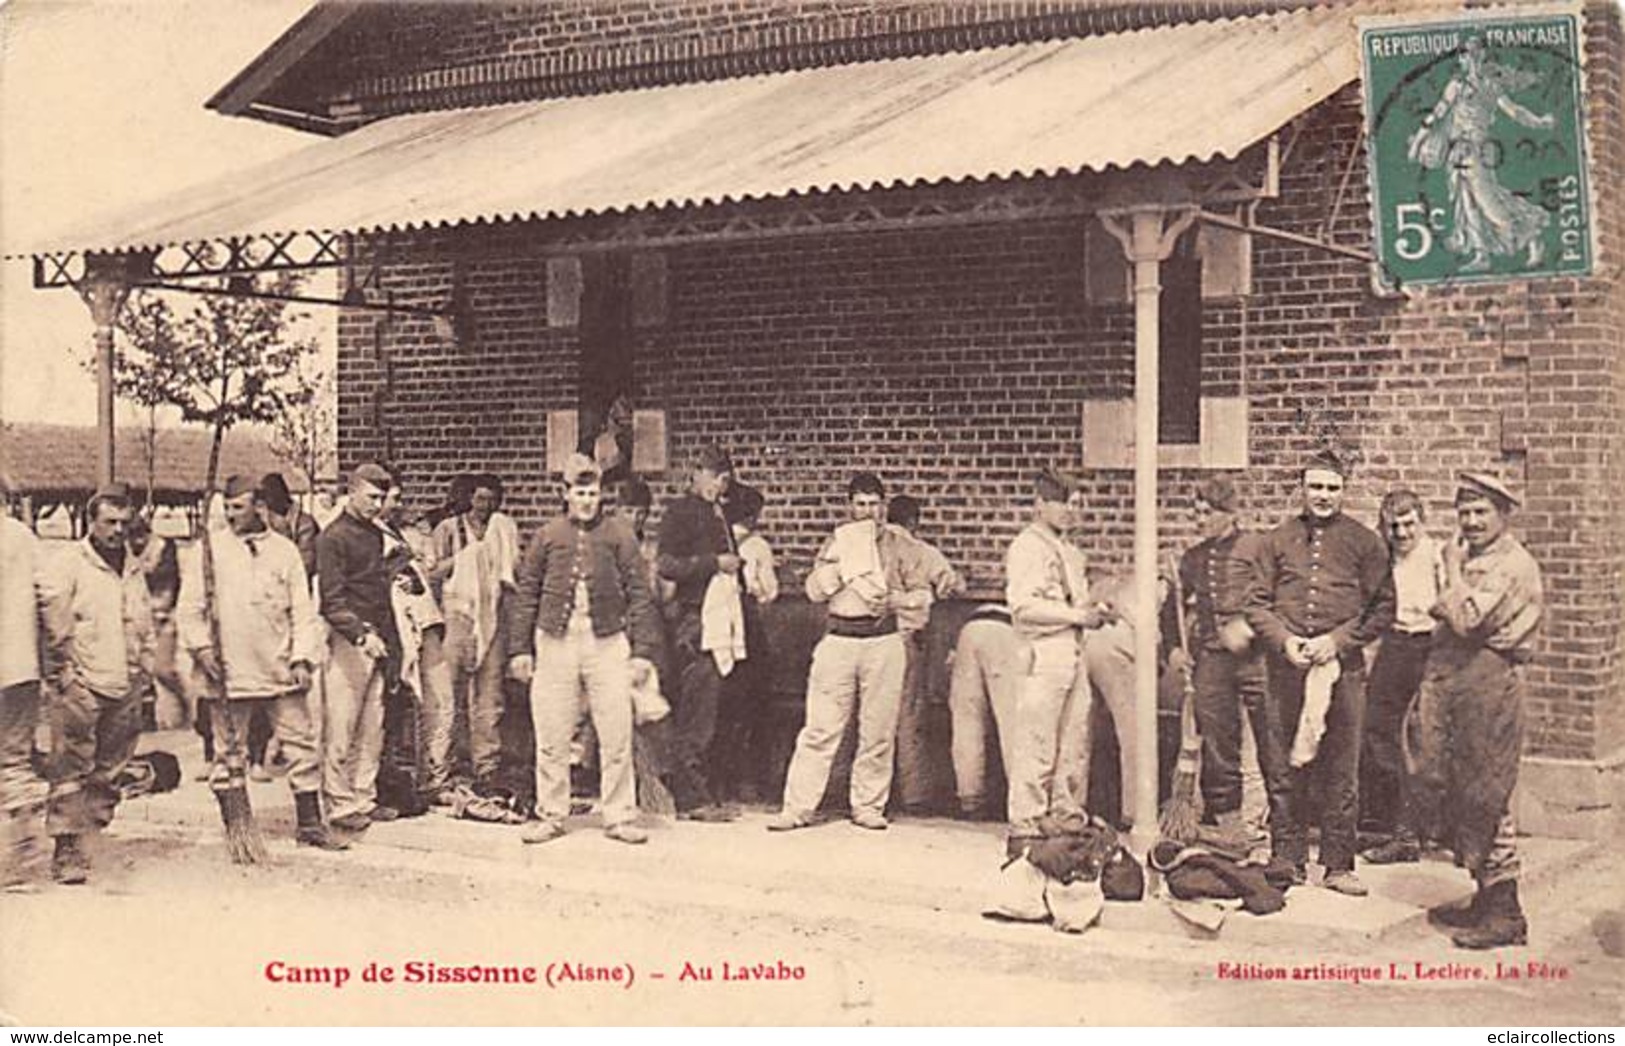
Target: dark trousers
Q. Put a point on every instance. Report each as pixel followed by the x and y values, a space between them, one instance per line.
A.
pixel 738 748
pixel 1469 743
pixel 1333 775
pixel 1229 689
pixel 694 704
pixel 517 735
pixel 1396 675
pixel 915 784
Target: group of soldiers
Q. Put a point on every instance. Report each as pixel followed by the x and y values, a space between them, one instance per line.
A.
pixel 622 640
pixel 1280 624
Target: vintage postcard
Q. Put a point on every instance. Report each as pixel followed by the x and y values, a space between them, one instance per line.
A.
pixel 822 513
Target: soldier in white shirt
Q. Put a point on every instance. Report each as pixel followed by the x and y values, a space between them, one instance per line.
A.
pixel 270 641
pixel 1047 589
pixel 864 573
pixel 99 652
pixel 20 790
pixel 1396 675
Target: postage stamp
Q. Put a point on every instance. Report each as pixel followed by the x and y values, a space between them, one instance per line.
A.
pixel 1476 147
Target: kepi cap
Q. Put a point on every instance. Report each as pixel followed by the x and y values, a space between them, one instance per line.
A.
pixel 1055 484
pixel 375 474
pixel 1484 485
pixel 116 490
pixel 1327 460
pixel 1219 492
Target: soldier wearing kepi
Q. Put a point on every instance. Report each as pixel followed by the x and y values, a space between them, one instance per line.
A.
pixel 1320 590
pixel 1228 671
pixel 1470 708
pixel 99 651
pixel 583 624
pixel 270 641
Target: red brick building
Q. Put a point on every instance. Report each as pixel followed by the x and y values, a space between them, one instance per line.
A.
pixel 710 232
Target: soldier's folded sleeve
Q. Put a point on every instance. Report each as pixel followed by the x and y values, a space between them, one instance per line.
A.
pixel 191 624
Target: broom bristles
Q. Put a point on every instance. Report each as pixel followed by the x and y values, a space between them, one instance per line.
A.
pixel 1181 818
pixel 653 795
pixel 243 840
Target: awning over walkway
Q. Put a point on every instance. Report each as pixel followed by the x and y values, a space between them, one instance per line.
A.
pixel 1173 94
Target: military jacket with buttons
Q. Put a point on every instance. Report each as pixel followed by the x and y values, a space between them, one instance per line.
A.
pixel 1213 576
pixel 1314 577
pixel 604 558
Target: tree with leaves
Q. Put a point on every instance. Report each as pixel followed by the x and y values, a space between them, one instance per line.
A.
pixel 230 360
pixel 302 435
pixel 148 324
pixel 226 361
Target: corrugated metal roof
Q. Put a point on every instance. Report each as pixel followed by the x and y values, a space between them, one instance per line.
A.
pixel 1170 94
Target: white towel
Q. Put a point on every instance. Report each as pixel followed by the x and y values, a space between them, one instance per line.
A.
pixel 722 622
pixel 856 548
pixel 1317 698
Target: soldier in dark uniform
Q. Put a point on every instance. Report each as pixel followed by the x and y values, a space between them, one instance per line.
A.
pixel 1228 670
pixel 1320 590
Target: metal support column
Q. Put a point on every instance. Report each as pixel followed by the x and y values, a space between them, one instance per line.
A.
pixel 1147 235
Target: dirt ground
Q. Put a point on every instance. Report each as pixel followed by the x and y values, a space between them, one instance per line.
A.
pixel 169 933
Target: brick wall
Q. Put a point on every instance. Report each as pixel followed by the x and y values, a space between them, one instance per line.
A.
pixel 955 361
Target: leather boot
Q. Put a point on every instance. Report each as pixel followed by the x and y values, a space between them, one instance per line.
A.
pixel 69 864
pixel 312 832
pixel 1456 916
pixel 1502 923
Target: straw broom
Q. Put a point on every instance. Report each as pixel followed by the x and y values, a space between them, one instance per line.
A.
pixel 1182 816
pixel 243 840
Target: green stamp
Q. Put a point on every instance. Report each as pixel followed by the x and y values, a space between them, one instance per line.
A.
pixel 1475 132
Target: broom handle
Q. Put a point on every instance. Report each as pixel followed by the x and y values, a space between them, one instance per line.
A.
pixel 1187 711
pixel 213 616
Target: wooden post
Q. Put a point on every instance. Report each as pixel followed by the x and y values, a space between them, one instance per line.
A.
pixel 104 288
pixel 1147 235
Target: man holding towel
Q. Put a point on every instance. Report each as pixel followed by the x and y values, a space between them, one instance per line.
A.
pixel 476 554
pixel 696 546
pixel 1320 590
pixel 865 572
